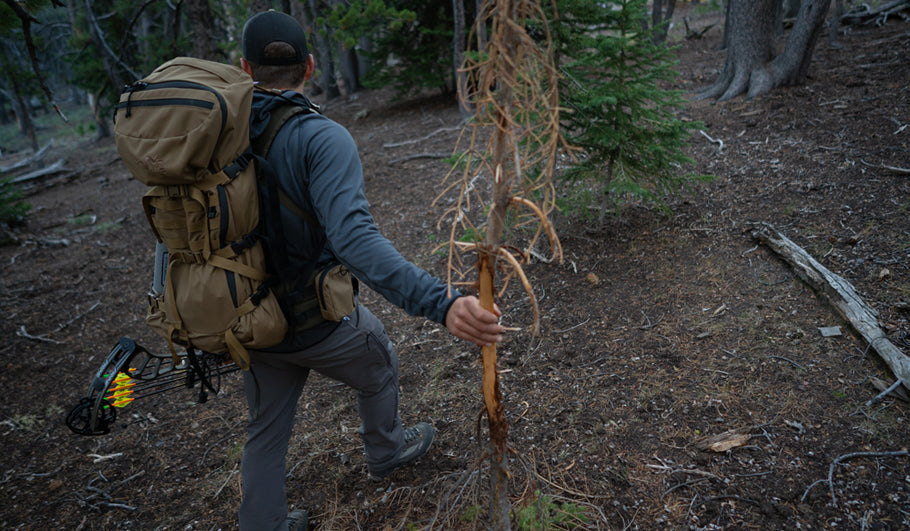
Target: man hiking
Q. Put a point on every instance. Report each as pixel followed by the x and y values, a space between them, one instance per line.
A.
pixel 327 221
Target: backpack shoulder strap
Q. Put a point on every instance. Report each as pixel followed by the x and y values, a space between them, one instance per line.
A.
pixel 263 144
pixel 280 116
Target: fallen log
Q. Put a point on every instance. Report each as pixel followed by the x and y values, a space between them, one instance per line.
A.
pixel 863 14
pixel 841 295
pixel 56 167
pixel 38 155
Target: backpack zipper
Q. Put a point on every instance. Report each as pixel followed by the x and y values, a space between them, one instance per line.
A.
pixel 142 86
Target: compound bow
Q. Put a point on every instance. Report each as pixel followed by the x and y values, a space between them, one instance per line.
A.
pixel 130 372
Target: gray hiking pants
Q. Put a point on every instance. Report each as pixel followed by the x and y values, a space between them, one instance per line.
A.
pixel 359 354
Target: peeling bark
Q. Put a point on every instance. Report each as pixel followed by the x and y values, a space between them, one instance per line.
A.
pixel 496 418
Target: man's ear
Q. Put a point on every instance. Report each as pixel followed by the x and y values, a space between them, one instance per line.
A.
pixel 310 67
pixel 245 66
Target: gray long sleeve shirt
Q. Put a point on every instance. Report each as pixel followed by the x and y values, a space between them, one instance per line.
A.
pixel 319 168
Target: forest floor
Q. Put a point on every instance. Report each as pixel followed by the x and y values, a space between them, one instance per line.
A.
pixel 658 330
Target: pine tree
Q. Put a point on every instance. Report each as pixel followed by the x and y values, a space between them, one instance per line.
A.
pixel 620 112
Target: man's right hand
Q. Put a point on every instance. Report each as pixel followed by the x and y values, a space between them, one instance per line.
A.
pixel 468 320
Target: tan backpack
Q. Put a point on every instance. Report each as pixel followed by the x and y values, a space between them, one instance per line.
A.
pixel 184 130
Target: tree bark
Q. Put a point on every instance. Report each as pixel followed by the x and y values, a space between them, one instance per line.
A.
pixel 20 109
pixel 458 49
pixel 322 51
pixel 350 69
pixel 204 45
pixel 660 20
pixel 750 67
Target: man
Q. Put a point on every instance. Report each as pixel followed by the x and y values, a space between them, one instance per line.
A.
pixel 319 170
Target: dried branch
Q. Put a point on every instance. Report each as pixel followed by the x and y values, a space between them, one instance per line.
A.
pixel 21 332
pixel 27 19
pixel 421 139
pixel 830 479
pixel 38 155
pixel 516 268
pixel 895 169
pixel 96 28
pixel 841 295
pixel 413 156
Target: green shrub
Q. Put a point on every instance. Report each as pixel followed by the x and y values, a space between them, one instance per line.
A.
pixel 544 513
pixel 12 209
pixel 618 109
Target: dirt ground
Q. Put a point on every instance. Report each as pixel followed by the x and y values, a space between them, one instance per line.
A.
pixel 658 331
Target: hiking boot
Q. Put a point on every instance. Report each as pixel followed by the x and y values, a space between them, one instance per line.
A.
pixel 417 440
pixel 298 520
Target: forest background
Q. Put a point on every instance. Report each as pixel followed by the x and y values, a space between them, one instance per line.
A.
pixel 659 287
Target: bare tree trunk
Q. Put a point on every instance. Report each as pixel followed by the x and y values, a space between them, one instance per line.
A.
pixel 99 114
pixel 204 45
pixel 792 66
pixel 481 28
pixel 350 69
pixel 660 20
pixel 4 116
pixel 20 107
pixel 749 29
pixel 502 195
pixel 500 507
pixel 102 126
pixel 322 51
pixel 749 67
pixel 458 49
pixel 725 41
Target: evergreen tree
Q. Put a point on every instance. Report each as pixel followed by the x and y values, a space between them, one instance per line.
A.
pixel 620 112
pixel 409 42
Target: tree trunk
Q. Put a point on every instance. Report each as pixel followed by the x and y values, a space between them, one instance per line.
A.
pixel 99 114
pixel 660 20
pixel 792 66
pixel 204 45
pixel 458 49
pixel 320 45
pixel 350 69
pixel 496 417
pixel 749 67
pixel 20 107
pixel 4 115
pixel 503 150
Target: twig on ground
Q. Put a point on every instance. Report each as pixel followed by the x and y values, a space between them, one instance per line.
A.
pixel 99 458
pixel 421 139
pixel 226 481
pixel 717 141
pixel 886 167
pixel 650 325
pixel 791 362
pixel 420 156
pixel 728 497
pixel 884 393
pixel 572 327
pixel 681 485
pixel 693 471
pixel 830 479
pixel 22 332
pixel 80 316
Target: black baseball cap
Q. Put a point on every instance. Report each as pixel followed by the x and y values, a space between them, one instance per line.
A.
pixel 267 27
